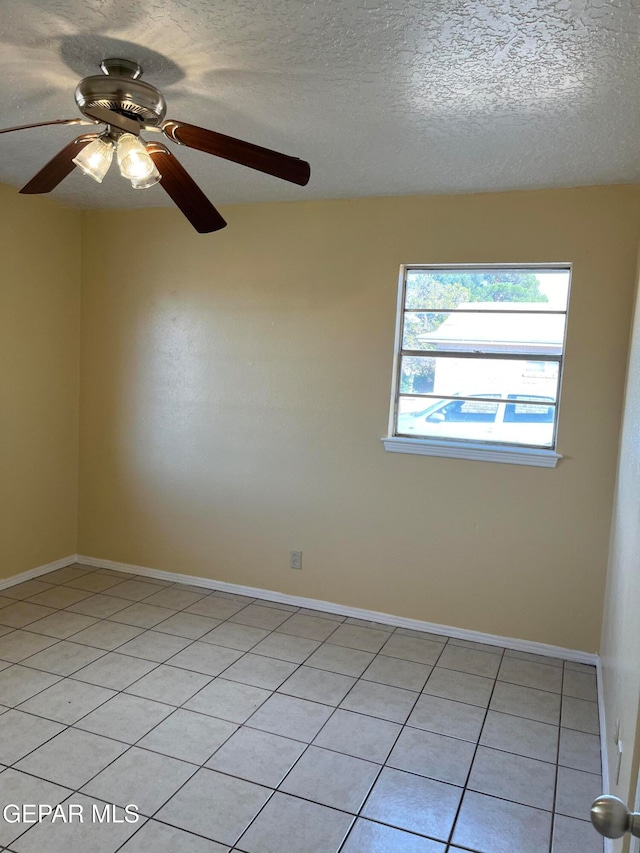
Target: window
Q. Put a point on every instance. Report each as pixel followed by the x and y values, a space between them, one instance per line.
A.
pixel 478 362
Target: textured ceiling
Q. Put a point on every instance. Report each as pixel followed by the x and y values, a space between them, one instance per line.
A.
pixel 385 98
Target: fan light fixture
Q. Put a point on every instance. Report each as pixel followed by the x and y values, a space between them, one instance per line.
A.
pixel 133 160
pixel 144 183
pixel 95 158
pixel 135 163
pixel 126 106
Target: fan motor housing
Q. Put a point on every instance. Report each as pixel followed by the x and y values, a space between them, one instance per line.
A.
pixel 128 97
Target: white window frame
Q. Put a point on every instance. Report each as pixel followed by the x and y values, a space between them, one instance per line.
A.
pixel 461 449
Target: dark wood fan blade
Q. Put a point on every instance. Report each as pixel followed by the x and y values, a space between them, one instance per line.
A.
pixel 184 191
pixel 246 153
pixel 45 124
pixel 58 167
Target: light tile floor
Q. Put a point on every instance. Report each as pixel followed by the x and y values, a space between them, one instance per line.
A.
pixel 240 724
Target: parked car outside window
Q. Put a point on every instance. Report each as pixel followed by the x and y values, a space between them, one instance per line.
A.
pixel 510 418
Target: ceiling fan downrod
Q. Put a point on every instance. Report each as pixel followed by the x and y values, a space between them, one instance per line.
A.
pixel 124 68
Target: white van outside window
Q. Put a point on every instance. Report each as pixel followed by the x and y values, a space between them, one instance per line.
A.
pixel 478 362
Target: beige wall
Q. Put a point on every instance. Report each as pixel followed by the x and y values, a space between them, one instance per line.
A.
pixel 235 388
pixel 39 348
pixel 621 628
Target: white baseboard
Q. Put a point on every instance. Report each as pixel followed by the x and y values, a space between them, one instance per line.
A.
pixel 344 610
pixel 357 612
pixel 39 570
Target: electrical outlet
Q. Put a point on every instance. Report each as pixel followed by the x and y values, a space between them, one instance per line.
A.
pixel 295 559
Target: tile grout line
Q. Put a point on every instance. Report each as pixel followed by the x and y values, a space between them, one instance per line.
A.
pixel 72 725
pixel 272 691
pixel 555 781
pixel 157 628
pixel 193 640
pixel 384 763
pixel 130 746
pixel 308 744
pixel 465 788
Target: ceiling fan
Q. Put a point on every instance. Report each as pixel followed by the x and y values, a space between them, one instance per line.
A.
pixel 126 106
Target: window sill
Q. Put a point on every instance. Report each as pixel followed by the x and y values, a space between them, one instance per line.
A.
pixel 480 452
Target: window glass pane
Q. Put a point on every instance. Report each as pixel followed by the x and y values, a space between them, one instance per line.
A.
pixel 480 354
pixel 477 420
pixel 528 413
pixel 486 331
pixel 532 290
pixel 417 325
pixel 417 374
pixel 472 377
